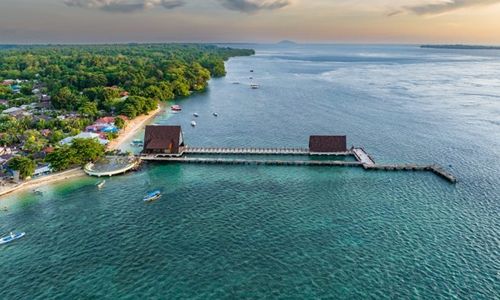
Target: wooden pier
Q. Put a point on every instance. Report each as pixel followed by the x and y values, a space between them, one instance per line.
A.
pixel 362 160
pixel 246 151
pixel 226 161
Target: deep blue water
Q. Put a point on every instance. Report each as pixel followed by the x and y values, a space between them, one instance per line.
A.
pixel 291 232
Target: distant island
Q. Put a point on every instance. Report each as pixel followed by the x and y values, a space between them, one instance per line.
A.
pixel 287 42
pixel 462 47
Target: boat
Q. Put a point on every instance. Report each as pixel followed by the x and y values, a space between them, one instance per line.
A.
pixel 176 108
pixel 215 114
pixel 37 192
pixel 137 143
pixel 251 71
pixel 254 86
pixel 152 196
pixel 101 184
pixel 12 237
pixel 250 77
pixel 193 123
pixel 196 115
pixel 4 208
pixel 236 82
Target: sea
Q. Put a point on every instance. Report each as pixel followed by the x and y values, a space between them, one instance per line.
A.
pixel 278 232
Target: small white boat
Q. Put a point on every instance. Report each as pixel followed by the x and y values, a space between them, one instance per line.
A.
pixel 254 86
pixel 193 123
pixel 196 115
pixel 12 237
pixel 215 114
pixel 152 196
pixel 101 184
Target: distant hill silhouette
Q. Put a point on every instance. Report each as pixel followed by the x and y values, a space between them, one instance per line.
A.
pixel 464 47
pixel 287 42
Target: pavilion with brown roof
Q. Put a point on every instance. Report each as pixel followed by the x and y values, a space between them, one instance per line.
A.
pixel 327 143
pixel 161 139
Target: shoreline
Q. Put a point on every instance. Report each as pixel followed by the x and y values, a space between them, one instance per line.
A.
pixel 128 132
pixel 41 181
pixel 133 128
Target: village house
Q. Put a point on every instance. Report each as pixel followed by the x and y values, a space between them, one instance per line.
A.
pixel 84 135
pixel 16 112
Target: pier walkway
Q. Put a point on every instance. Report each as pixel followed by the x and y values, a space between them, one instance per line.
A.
pixel 246 151
pixel 363 160
pixel 363 157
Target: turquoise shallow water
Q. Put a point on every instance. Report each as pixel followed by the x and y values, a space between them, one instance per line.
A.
pixel 290 232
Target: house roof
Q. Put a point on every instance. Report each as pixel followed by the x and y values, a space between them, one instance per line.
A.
pixel 328 143
pixel 105 120
pixel 158 137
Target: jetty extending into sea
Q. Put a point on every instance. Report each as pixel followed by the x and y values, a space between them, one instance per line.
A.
pixel 166 144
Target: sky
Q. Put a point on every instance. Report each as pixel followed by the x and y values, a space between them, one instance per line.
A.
pixel 322 21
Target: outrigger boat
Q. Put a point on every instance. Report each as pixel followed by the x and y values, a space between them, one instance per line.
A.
pixel 152 196
pixel 12 237
pixel 101 184
pixel 176 108
pixel 137 143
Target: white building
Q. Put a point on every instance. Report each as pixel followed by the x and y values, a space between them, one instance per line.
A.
pixel 84 135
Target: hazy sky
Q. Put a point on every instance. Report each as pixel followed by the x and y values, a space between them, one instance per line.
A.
pixel 358 21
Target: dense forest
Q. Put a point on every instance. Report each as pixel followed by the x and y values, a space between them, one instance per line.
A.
pixel 91 81
pixel 90 78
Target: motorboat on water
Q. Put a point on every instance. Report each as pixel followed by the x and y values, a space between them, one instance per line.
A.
pixel 251 71
pixel 137 143
pixel 152 196
pixel 254 86
pixel 193 123
pixel 101 184
pixel 215 114
pixel 196 115
pixel 12 237
pixel 176 108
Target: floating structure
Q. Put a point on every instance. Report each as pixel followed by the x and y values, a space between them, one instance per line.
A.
pixel 112 166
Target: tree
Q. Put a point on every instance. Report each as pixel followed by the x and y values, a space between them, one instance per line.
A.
pixel 64 99
pixel 87 150
pixel 119 123
pixel 25 165
pixel 88 109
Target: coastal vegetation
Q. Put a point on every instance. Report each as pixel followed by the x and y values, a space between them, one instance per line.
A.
pixel 49 93
pixel 78 153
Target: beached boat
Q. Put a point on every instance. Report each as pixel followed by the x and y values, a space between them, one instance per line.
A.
pixel 196 115
pixel 101 184
pixel 152 196
pixel 12 237
pixel 215 114
pixel 137 143
pixel 254 86
pixel 193 123
pixel 176 108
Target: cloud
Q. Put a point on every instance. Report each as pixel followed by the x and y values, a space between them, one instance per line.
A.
pixel 124 6
pixel 252 6
pixel 446 6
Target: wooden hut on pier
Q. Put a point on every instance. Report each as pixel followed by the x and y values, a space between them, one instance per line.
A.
pixel 160 139
pixel 327 144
